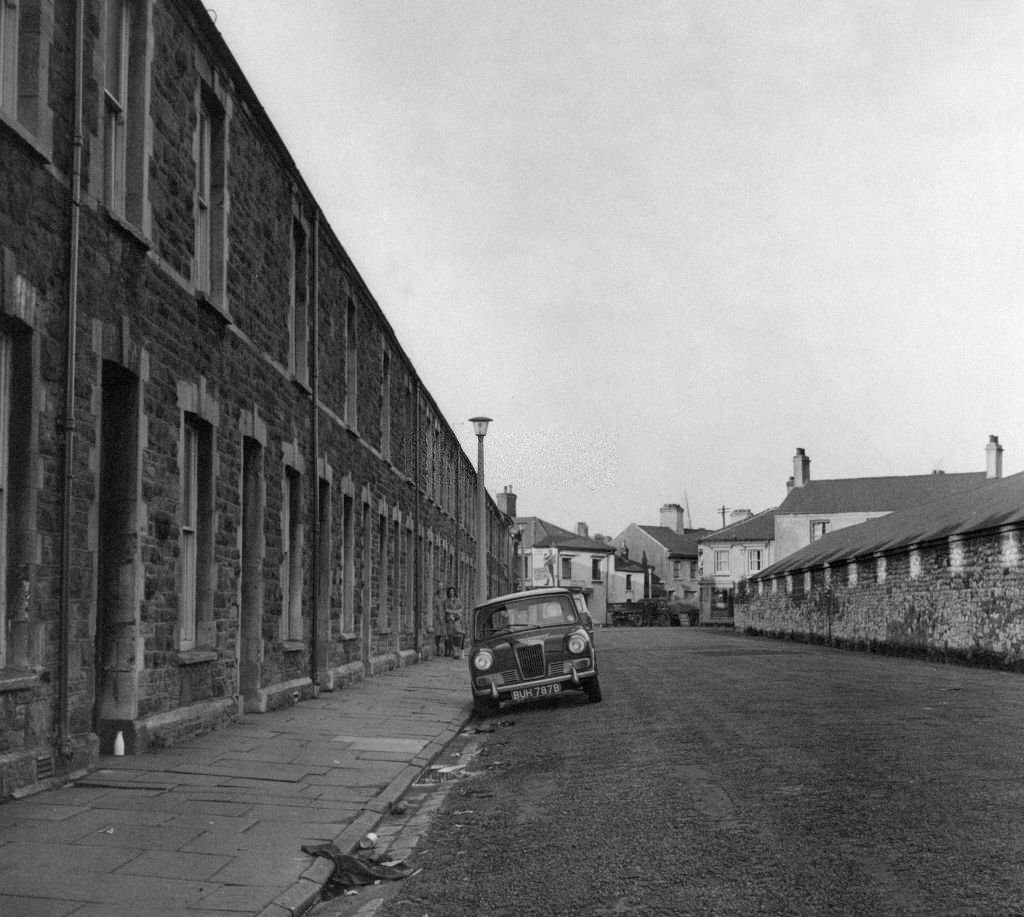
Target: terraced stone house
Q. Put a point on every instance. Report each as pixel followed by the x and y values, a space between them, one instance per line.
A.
pixel 223 484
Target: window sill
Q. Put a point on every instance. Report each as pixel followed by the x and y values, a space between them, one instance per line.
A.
pixel 17 681
pixel 293 646
pixel 216 309
pixel 195 657
pixel 122 225
pixel 26 136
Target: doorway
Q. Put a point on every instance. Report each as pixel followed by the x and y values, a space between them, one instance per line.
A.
pixel 250 618
pixel 118 599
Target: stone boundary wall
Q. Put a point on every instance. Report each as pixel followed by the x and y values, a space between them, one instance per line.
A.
pixel 958 600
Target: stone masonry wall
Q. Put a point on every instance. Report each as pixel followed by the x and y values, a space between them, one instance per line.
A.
pixel 95 646
pixel 960 599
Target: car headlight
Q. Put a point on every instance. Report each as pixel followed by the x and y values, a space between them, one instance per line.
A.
pixel 577 644
pixel 483 660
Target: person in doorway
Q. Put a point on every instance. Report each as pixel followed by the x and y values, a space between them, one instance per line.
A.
pixel 456 628
pixel 440 625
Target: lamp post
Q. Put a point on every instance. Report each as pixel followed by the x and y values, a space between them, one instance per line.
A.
pixel 480 429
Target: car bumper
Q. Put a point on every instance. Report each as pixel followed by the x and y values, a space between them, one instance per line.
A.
pixel 498 687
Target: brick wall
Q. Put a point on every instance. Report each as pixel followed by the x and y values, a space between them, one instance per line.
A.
pixel 960 599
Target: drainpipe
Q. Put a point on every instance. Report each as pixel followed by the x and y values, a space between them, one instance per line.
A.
pixel 314 382
pixel 458 522
pixel 63 686
pixel 418 541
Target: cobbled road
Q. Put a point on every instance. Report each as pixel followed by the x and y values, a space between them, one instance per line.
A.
pixel 732 775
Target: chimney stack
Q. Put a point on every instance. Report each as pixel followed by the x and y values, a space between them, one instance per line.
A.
pixel 673 517
pixel 506 501
pixel 993 458
pixel 801 468
pixel 582 529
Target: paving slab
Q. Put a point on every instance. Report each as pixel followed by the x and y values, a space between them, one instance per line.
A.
pixel 215 825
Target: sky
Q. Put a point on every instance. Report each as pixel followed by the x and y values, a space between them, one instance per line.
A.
pixel 664 244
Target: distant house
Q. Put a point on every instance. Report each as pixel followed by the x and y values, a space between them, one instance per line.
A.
pixel 671 551
pixel 553 556
pixel 729 555
pixel 627 580
pixel 812 509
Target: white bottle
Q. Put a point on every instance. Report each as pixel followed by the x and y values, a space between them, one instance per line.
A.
pixel 119 745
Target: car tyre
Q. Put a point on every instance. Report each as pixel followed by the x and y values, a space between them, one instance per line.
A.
pixel 486 706
pixel 592 688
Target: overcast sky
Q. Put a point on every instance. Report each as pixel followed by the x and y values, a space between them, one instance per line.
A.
pixel 663 244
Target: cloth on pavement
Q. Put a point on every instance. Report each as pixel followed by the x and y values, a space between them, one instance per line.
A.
pixel 351 870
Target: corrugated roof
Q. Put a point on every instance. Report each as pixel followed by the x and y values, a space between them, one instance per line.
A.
pixel 888 494
pixel 760 527
pixel 540 534
pixel 992 504
pixel 684 543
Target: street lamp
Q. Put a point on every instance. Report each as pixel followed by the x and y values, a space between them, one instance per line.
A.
pixel 480 429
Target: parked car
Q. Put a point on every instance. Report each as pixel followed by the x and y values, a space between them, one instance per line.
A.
pixel 530 645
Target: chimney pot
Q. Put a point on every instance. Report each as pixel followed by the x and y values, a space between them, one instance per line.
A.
pixel 673 517
pixel 801 468
pixel 993 458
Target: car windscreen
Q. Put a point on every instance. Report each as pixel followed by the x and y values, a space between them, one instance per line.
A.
pixel 524 614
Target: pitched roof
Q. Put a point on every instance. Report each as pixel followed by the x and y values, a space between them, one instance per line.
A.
pixel 888 494
pixel 540 534
pixel 684 543
pixel 992 504
pixel 625 565
pixel 760 527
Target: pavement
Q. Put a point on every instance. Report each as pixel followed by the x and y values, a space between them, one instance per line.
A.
pixel 214 826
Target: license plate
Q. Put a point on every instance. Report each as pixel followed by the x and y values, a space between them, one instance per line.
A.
pixel 535 692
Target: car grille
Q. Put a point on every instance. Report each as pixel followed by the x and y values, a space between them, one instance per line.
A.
pixel 530 659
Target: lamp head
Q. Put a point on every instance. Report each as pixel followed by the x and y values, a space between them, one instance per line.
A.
pixel 480 425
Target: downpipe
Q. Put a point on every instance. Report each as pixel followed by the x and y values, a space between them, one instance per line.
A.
pixel 69 422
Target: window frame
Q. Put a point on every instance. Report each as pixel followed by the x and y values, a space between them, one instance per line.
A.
pixel 117 45
pixel 188 614
pixel 10 49
pixel 124 129
pixel 292 546
pixel 299 307
pixel 351 404
pixel 204 196
pixel 385 405
pixel 722 562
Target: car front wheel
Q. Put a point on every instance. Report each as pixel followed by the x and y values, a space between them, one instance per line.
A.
pixel 592 688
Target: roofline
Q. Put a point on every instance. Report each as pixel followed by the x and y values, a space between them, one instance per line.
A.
pixel 903 548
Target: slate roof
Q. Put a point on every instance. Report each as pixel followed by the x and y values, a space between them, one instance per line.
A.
pixel 540 534
pixel 625 565
pixel 760 527
pixel 684 544
pixel 986 506
pixel 887 494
